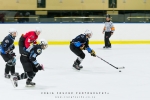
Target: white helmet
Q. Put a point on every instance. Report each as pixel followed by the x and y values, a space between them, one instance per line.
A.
pixel 88 33
pixel 37 29
pixel 12 30
pixel 43 43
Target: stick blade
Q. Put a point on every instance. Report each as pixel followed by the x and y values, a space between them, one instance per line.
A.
pixel 120 67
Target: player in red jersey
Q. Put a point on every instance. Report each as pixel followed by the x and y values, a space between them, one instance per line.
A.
pixel 27 39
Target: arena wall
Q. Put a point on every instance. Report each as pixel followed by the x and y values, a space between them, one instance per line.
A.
pixel 74 5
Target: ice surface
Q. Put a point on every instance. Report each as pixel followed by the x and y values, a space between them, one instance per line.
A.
pixel 133 83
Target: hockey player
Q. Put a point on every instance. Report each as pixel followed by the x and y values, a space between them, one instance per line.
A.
pixel 27 39
pixel 108 30
pixel 6 51
pixel 30 64
pixel 81 42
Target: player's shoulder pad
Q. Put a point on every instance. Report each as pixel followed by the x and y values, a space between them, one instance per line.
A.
pixel 7 39
pixel 82 35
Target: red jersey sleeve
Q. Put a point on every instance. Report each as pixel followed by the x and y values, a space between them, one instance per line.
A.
pixel 30 38
pixel 27 42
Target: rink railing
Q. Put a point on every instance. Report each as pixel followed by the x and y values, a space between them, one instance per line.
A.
pixel 37 19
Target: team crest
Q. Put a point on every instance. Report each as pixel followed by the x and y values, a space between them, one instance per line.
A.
pixel 39 51
pixel 7 41
pixel 82 36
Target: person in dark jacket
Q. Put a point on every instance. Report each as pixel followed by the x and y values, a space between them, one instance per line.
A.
pixel 79 43
pixel 6 51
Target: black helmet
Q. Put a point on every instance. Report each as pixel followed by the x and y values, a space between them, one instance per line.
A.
pixel 107 16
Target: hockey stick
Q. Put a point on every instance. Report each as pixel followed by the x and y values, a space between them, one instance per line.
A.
pixel 110 64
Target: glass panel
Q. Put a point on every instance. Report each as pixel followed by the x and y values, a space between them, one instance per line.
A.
pixel 90 16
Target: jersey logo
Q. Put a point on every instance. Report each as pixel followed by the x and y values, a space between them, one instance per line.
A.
pixel 7 41
pixel 4 45
pixel 82 36
pixel 32 37
pixel 39 51
pixel 28 40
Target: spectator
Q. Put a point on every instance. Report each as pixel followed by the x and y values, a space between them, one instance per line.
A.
pixel 20 20
pixel 16 17
pixel 27 14
pixel 2 17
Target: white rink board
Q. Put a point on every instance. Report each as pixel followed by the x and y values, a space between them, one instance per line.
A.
pixel 65 32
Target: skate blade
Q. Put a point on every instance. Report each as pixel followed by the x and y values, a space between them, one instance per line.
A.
pixel 75 69
pixel 120 67
pixel 30 86
pixel 107 48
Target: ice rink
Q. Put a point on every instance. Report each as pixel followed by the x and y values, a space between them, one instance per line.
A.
pixel 59 77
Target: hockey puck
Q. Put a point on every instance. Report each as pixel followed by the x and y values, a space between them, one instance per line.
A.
pixel 119 70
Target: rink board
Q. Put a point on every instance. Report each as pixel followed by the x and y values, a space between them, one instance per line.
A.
pixel 63 33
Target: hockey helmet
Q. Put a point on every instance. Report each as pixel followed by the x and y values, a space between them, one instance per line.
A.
pixel 37 29
pixel 43 43
pixel 88 33
pixel 13 32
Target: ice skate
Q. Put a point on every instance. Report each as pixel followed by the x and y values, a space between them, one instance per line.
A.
pixel 80 66
pixel 14 81
pixel 30 83
pixel 76 66
pixel 7 76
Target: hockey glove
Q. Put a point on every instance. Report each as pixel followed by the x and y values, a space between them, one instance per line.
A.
pixel 39 67
pixel 7 52
pixel 12 53
pixel 82 47
pixel 93 53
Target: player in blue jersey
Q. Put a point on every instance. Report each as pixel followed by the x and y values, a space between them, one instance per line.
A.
pixel 81 42
pixel 30 64
pixel 6 51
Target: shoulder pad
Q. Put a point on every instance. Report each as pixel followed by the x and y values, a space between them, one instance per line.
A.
pixel 82 35
pixel 6 40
